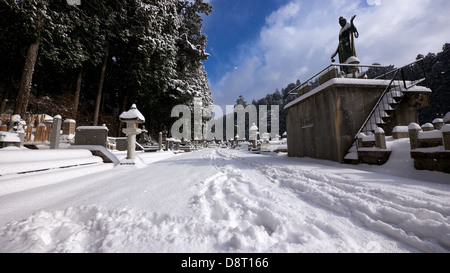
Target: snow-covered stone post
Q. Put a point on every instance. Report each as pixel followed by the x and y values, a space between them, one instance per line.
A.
pixel 254 134
pixel 427 127
pixel 359 142
pixel 56 132
pixel 438 123
pixel 132 118
pixel 414 130
pixel 160 141
pixel 446 136
pixel 380 138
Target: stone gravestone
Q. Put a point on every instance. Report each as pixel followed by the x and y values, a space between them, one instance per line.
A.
pixel 91 135
pixel 68 127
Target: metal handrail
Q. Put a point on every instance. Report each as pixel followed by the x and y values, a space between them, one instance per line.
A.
pixel 396 72
pixel 375 107
pixel 393 70
pixel 335 65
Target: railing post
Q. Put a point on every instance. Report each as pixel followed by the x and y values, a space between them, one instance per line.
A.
pixel 424 72
pixel 403 77
pixel 380 138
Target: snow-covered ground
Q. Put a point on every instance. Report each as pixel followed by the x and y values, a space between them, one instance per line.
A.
pixel 220 200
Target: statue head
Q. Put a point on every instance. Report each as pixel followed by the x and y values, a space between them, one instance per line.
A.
pixel 342 21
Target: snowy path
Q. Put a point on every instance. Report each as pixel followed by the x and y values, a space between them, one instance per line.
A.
pixel 223 200
pixel 415 215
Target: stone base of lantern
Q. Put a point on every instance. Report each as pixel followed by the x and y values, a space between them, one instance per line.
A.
pixel 127 162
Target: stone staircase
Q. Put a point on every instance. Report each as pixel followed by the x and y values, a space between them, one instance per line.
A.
pixel 384 109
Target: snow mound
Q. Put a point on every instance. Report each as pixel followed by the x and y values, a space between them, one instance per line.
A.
pixel 87 229
pixel 18 160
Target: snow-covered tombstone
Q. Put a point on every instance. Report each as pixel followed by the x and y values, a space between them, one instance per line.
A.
pixel 68 131
pixel 68 127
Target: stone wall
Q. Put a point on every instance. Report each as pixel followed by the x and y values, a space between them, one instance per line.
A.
pixel 430 149
pixel 322 123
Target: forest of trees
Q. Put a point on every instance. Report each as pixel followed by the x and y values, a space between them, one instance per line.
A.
pixel 437 69
pixel 90 62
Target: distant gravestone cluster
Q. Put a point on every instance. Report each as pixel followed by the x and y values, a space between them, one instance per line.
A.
pixel 35 130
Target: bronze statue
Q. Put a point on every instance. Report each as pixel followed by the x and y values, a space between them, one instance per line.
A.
pixel 346 47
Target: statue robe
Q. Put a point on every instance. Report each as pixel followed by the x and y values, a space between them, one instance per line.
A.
pixel 347 43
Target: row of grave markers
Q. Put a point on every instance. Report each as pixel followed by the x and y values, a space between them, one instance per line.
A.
pixel 36 127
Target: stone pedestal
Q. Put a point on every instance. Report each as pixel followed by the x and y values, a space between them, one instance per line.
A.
pixel 323 123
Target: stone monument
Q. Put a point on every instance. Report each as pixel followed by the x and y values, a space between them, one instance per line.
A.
pixel 132 118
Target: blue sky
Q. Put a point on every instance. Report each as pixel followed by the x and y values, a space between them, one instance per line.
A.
pixel 257 46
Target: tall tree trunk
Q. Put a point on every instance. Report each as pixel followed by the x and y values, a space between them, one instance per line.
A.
pixel 26 79
pixel 3 102
pixel 6 95
pixel 77 93
pixel 100 87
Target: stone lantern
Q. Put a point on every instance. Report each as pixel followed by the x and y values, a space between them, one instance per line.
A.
pixel 236 140
pixel 132 118
pixel 254 134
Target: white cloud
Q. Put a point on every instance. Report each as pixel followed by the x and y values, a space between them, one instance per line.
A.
pixel 396 31
pixel 299 38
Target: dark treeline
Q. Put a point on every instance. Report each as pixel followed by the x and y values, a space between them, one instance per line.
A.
pixel 437 69
pixel 90 62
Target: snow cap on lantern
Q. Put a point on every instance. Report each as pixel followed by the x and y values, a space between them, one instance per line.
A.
pixel 132 115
